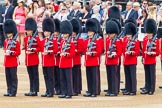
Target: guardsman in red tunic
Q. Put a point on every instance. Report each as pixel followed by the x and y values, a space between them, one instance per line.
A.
pixel 79 45
pixel 113 53
pixel 58 37
pixel 149 52
pixel 66 60
pixel 11 51
pixel 92 53
pixel 131 49
pixel 160 48
pixel 32 48
pixel 49 47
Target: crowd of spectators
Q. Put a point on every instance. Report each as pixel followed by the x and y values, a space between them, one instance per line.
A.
pixel 68 9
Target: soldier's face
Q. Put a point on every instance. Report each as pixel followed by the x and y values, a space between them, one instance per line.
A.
pixel 9 35
pixel 90 33
pixel 111 35
pixel 149 35
pixel 29 32
pixel 65 36
pixel 47 33
pixel 56 34
pixel 129 36
pixel 73 34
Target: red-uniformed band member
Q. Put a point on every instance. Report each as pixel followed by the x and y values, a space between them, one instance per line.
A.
pixel 92 58
pixel 113 52
pixel 66 60
pixel 32 48
pixel 79 45
pixel 49 47
pixel 12 51
pixel 131 49
pixel 57 35
pixel 149 53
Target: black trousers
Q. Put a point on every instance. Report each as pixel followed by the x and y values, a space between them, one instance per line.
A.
pixel 131 80
pixel 11 80
pixel 99 81
pixel 57 79
pixel 66 81
pixel 77 79
pixel 92 79
pixel 118 74
pixel 150 77
pixel 112 78
pixel 48 77
pixel 33 78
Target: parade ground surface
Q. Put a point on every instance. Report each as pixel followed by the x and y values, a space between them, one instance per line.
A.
pixel 121 101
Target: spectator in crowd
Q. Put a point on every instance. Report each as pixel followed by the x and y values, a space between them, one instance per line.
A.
pixel 75 13
pixel 130 12
pixel 85 16
pixel 140 23
pixel 96 13
pixel 6 13
pixel 152 12
pixel 19 16
pixel 62 13
pixel 99 4
pixel 55 6
pixel 145 4
pixel 1 28
pixel 69 5
pixel 137 8
pixel 159 22
pixel 50 12
pixel 32 9
pixel 105 6
pixel 91 4
pixel 39 17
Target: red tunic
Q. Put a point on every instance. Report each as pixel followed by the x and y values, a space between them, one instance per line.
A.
pixel 130 59
pixel 48 59
pixel 117 49
pixel 149 59
pixel 67 61
pixel 11 60
pixel 79 45
pixel 95 59
pixel 32 59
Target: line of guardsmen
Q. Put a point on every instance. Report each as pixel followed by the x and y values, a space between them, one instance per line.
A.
pixel 61 52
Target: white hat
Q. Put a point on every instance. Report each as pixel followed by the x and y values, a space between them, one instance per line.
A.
pixel 18 1
pixel 47 1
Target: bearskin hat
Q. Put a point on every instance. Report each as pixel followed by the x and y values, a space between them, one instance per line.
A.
pixel 48 25
pixel 118 23
pixel 66 27
pixel 114 12
pixel 112 27
pixel 91 25
pixel 150 26
pixel 131 20
pixel 30 24
pixel 57 25
pixel 77 27
pixel 10 27
pixel 130 29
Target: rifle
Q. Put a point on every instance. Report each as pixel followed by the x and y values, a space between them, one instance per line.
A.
pixel 150 45
pixel 66 45
pixel 11 43
pixel 92 43
pixel 31 41
pixel 59 40
pixel 130 44
pixel 111 48
pixel 76 38
pixel 49 43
